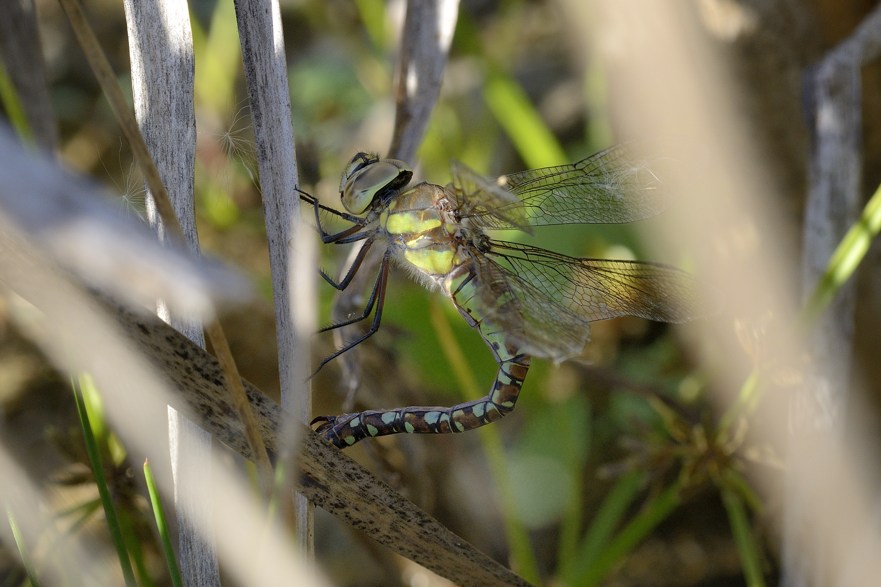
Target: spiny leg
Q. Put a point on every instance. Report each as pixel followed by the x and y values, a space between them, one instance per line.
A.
pixel 377 297
pixel 347 235
pixel 353 268
pixel 350 235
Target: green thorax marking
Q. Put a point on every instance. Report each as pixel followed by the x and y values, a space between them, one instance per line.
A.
pixel 419 233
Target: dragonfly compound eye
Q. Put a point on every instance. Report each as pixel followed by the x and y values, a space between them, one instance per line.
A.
pixel 366 178
pixel 356 164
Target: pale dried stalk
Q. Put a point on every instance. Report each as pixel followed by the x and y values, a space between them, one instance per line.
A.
pixel 77 334
pixel 833 204
pixel 162 68
pixel 74 341
pixel 263 55
pixel 671 82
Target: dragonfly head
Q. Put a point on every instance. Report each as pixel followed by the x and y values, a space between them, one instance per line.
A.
pixel 368 178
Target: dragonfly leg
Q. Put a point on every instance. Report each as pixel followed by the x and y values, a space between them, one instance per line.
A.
pixel 375 294
pixel 347 429
pixel 348 235
pixel 377 298
pixel 353 268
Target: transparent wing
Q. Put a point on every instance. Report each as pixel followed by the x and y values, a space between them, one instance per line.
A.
pixel 610 187
pixel 479 197
pixel 534 322
pixel 557 296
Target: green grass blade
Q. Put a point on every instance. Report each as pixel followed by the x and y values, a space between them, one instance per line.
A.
pixel 604 523
pixel 101 480
pixel 515 113
pixel 134 547
pixel 11 102
pixel 747 399
pixel 522 553
pixel 162 526
pixel 655 512
pixel 110 447
pixel 747 547
pixel 22 549
pixel 739 484
pixel 846 258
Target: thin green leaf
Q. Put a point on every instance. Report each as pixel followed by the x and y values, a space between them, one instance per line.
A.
pixel 134 547
pixel 607 519
pixel 22 549
pixel 846 258
pixel 739 484
pixel 747 547
pixel 84 513
pixel 101 480
pixel 373 15
pixel 11 102
pixel 655 512
pixel 162 526
pixel 515 113
pixel 747 400
pixel 219 57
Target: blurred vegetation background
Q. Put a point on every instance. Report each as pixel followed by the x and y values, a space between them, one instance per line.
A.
pixel 518 94
pixel 612 469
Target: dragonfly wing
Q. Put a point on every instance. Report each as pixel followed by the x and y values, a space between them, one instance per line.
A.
pixel 479 197
pixel 536 323
pixel 614 186
pixel 598 289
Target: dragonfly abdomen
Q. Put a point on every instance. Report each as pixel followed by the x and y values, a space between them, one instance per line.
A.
pixel 347 429
pixel 460 284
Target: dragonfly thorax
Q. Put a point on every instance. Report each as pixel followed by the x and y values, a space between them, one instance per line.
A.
pixel 369 180
pixel 419 234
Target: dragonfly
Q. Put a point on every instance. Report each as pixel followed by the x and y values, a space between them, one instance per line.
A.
pixel 524 301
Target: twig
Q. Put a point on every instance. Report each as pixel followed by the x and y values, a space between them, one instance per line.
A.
pixel 834 89
pixel 425 43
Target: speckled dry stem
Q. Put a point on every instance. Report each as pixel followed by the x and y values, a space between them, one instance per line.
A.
pixel 329 479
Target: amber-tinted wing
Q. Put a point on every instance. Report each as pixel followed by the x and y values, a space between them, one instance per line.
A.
pixel 557 296
pixel 481 198
pixel 613 186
